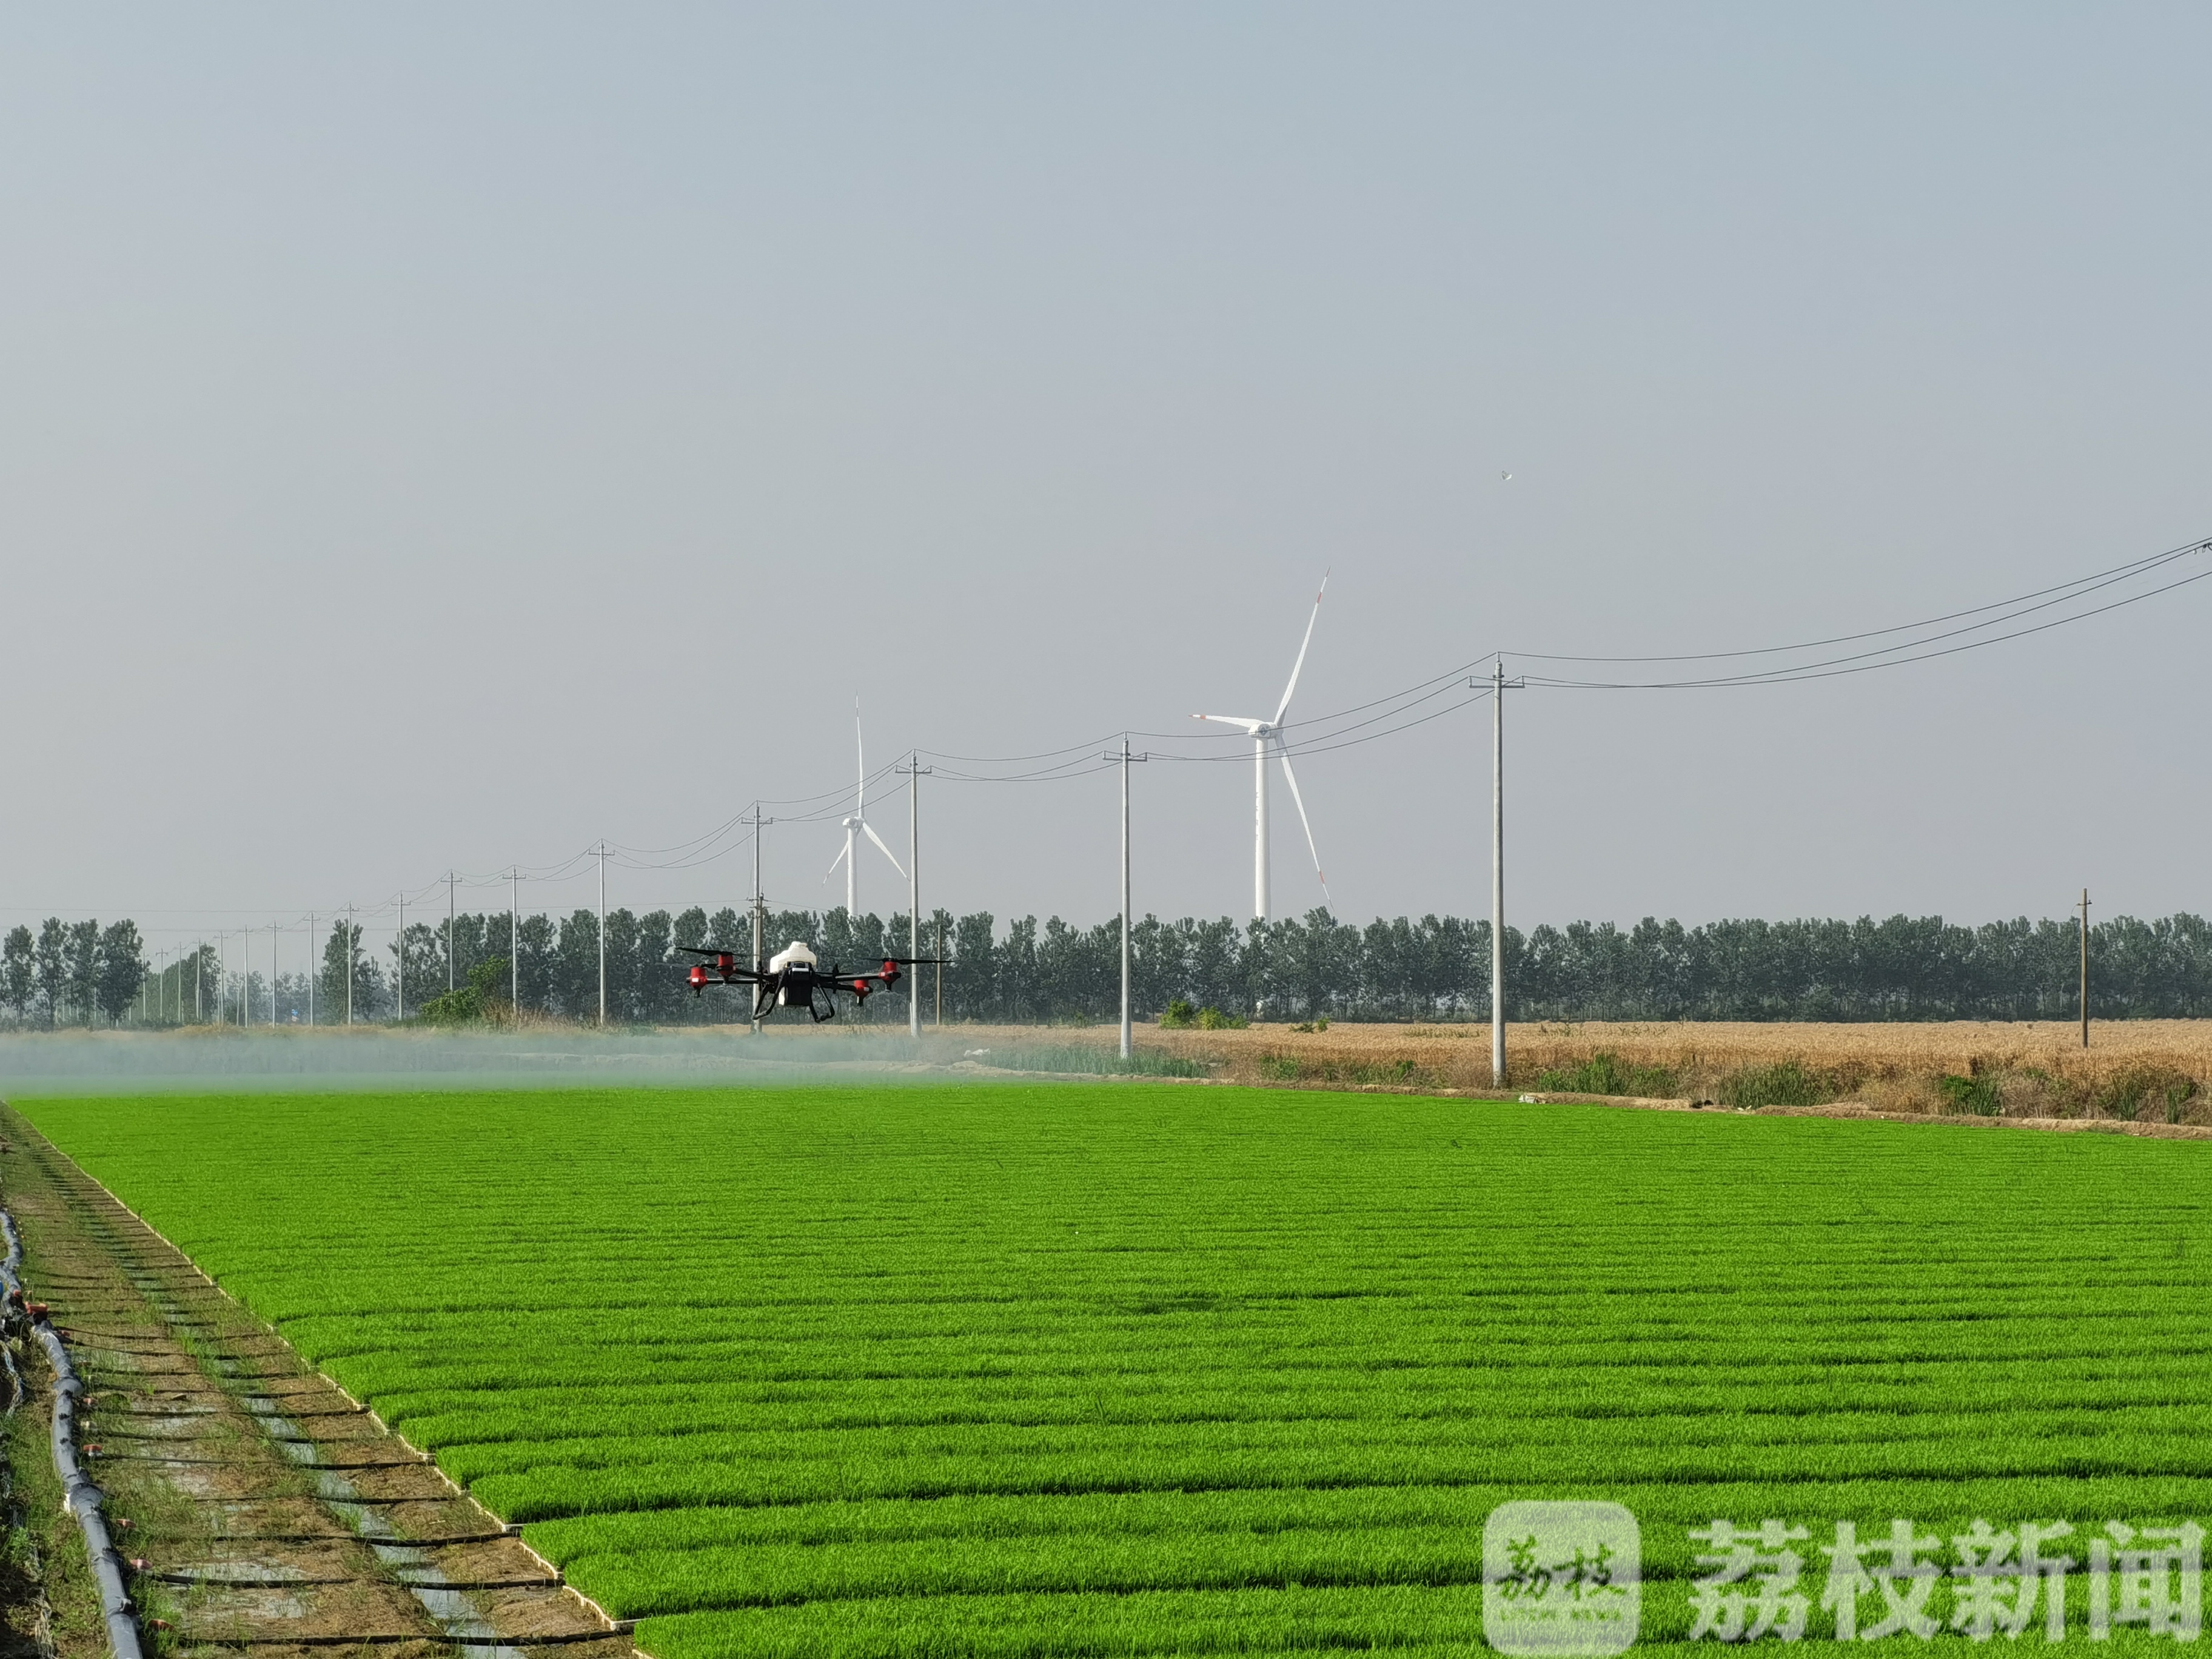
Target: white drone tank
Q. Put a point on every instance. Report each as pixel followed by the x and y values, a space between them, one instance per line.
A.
pixel 794 954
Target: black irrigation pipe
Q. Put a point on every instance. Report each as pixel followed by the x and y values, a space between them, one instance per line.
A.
pixel 221 1581
pixel 251 1462
pixel 79 1495
pixel 354 1538
pixel 387 1638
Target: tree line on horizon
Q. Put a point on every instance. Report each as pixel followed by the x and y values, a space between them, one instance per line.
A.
pixel 1434 968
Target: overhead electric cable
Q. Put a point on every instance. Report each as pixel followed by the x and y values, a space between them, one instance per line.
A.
pixel 1839 666
pixel 2079 585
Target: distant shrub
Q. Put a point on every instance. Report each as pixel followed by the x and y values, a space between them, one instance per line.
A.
pixel 1179 1016
pixel 1785 1083
pixel 1607 1073
pixel 465 1005
pixel 1212 1019
pixel 2159 1089
pixel 1319 1023
pixel 1978 1096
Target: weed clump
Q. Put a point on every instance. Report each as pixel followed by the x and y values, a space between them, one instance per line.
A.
pixel 1606 1074
pixel 1976 1097
pixel 1787 1082
pixel 2145 1094
pixel 1182 1015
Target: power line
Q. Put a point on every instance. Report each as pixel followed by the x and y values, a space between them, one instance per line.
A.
pixel 2084 583
pixel 1837 667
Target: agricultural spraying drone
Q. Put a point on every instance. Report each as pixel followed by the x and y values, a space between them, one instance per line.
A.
pixel 794 979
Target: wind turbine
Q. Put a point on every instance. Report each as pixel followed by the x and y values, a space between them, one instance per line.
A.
pixel 858 822
pixel 1264 733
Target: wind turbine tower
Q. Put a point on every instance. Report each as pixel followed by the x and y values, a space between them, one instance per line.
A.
pixel 1266 734
pixel 858 825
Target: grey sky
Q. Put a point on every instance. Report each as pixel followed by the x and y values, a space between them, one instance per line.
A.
pixel 443 435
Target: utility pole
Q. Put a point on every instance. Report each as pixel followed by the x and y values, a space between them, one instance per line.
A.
pixel 399 960
pixel 602 850
pixel 312 975
pixel 449 931
pixel 515 940
pixel 350 935
pixel 199 955
pixel 938 971
pixel 1126 760
pixel 760 904
pixel 915 771
pixel 1499 685
pixel 2085 967
pixel 272 976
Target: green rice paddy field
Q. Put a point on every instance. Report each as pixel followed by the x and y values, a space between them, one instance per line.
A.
pixel 1135 1368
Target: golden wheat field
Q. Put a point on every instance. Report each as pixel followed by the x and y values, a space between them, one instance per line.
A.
pixel 2156 1071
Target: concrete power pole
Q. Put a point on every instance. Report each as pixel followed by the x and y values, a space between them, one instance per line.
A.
pixel 2085 967
pixel 602 850
pixel 1126 760
pixel 449 930
pixel 1127 1034
pixel 312 975
pixel 1499 685
pixel 349 937
pixel 760 905
pixel 915 771
pixel 399 964
pixel 515 940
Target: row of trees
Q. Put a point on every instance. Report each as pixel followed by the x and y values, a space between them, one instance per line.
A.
pixel 75 972
pixel 1436 967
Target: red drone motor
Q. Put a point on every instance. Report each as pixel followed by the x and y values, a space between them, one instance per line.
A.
pixel 703 976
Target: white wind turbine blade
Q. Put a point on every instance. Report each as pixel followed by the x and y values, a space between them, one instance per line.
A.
pixel 869 829
pixel 1233 720
pixel 1298 666
pixel 841 853
pixel 1293 777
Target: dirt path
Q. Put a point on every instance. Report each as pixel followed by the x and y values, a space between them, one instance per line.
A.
pixel 261 1506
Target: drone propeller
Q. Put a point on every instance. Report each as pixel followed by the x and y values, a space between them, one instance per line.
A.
pixel 701 950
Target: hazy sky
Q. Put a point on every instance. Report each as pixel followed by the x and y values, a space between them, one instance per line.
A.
pixel 438 436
